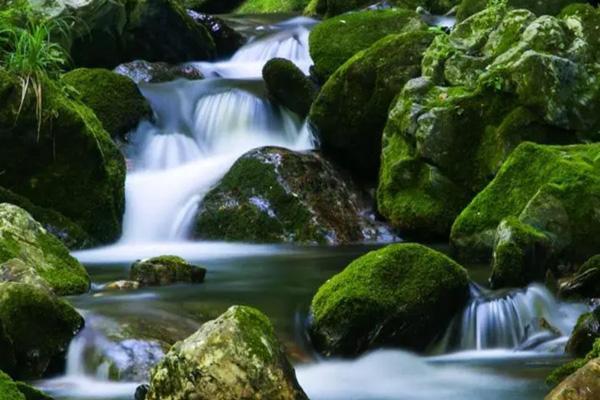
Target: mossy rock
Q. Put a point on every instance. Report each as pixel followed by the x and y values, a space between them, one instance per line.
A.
pixel 276 195
pixel 553 190
pixel 501 77
pixel 9 388
pixel 288 86
pixel 546 7
pixel 583 384
pixel 212 6
pixel 334 41
pixel 402 295
pixel 158 72
pixel 585 283
pixel 236 356
pixel 165 270
pixel 67 231
pixel 115 99
pixel 351 109
pixel 32 393
pixel 585 333
pixel 40 326
pixel 22 238
pixel 73 166
pixel 330 8
pixel 271 6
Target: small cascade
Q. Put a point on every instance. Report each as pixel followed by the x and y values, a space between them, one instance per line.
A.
pixel 519 320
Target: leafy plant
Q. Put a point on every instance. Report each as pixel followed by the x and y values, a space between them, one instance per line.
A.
pixel 28 51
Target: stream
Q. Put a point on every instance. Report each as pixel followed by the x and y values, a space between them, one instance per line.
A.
pixel 501 347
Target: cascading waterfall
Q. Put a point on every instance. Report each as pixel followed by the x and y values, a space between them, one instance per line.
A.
pixel 519 320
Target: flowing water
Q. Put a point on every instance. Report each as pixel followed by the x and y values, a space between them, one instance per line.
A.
pixel 500 347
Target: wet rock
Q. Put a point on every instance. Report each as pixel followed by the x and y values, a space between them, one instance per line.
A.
pixel 585 283
pixel 28 253
pixel 236 356
pixel 26 312
pixel 330 8
pixel 584 384
pixel 585 333
pixel 553 7
pixel 334 41
pixel 276 195
pixel 212 6
pixel 227 40
pixel 141 392
pixel 122 285
pixel 499 78
pixel 402 295
pixel 288 86
pixel 157 72
pixel 550 195
pixel 165 270
pixel 73 166
pixel 351 109
pixel 115 99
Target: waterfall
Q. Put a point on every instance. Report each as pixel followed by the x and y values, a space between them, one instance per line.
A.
pixel 201 128
pixel 519 320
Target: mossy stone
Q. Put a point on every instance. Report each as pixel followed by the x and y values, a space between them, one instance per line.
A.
pixel 468 8
pixel 236 356
pixel 165 270
pixel 288 86
pixel 402 295
pixel 585 333
pixel 115 99
pixel 271 6
pixel 585 283
pixel 9 388
pixel 334 41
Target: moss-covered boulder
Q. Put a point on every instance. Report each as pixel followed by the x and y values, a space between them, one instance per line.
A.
pixel 585 283
pixel 236 356
pixel 22 238
pixel 9 388
pixel 112 32
pixel 335 40
pixel 271 6
pixel 157 72
pixel 351 109
pixel 114 98
pixel 585 333
pixel 68 232
pixel 276 195
pixel 165 270
pixel 402 295
pixel 39 325
pixel 330 8
pixel 583 384
pixel 467 8
pixel 550 195
pixel 499 78
pixel 287 85
pixel 72 165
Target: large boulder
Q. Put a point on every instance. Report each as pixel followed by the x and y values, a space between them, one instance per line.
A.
pixel 115 99
pixel 334 41
pixel 42 254
pixel 351 110
pixel 276 195
pixel 227 40
pixel 236 356
pixel 40 327
pixel 165 270
pixel 72 165
pixel 402 295
pixel 539 212
pixel 499 78
pixel 287 85
pixel 583 384
pixel 111 32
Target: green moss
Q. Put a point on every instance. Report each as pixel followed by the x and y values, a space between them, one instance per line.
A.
pixel 352 107
pixel 335 40
pixel 165 270
pixel 591 263
pixel 560 373
pixel 585 333
pixel 288 85
pixel 468 8
pixel 9 389
pixel 330 8
pixel 401 295
pixel 115 99
pixel 32 393
pixel 258 332
pixel 271 6
pixel 73 166
pixel 25 311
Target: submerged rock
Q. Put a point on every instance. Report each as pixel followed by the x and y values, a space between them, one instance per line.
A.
pixel 72 165
pixel 30 254
pixel 351 109
pixel 584 384
pixel 276 195
pixel 334 41
pixel 499 78
pixel 236 356
pixel 540 211
pixel 122 285
pixel 165 270
pixel 157 72
pixel 402 295
pixel 39 325
pixel 288 86
pixel 114 98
